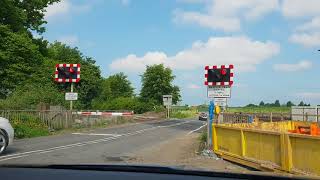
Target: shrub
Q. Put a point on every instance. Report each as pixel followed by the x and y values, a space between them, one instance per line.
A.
pixel 27 126
pixel 125 103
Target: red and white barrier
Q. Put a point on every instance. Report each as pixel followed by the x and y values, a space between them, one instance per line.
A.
pixel 105 113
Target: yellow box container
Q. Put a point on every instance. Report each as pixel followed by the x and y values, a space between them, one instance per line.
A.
pixel 268 146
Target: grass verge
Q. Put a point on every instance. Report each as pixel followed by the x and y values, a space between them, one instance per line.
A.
pixel 181 114
pixel 203 141
pixel 27 126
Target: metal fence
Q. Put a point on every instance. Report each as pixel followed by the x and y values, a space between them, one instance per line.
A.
pixel 267 117
pixel 305 113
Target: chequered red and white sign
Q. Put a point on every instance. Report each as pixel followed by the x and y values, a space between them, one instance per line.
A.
pixel 63 80
pixel 219 83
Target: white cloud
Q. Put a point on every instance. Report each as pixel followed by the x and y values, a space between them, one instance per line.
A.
pixel 228 24
pixel 300 8
pixel 60 8
pixel 226 15
pixel 63 8
pixel 243 52
pixel 309 95
pixel 125 2
pixel 302 65
pixel 313 25
pixel 308 33
pixel 193 86
pixel 306 39
pixel 70 40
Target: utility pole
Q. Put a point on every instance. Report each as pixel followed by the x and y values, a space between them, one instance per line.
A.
pixel 71 102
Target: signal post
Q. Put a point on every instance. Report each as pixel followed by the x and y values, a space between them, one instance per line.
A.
pixel 218 80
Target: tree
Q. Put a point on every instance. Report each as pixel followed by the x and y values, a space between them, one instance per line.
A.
pixel 251 105
pixel 301 103
pixel 289 104
pixel 113 87
pixel 19 59
pixel 157 81
pixel 277 103
pixel 120 86
pixel 24 15
pixel 89 85
pixel 261 103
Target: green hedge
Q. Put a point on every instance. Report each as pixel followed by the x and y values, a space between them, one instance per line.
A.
pixel 125 103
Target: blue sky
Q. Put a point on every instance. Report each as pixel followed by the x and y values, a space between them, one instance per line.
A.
pixel 272 43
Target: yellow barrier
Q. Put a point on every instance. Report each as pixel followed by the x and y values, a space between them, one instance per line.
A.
pixel 264 148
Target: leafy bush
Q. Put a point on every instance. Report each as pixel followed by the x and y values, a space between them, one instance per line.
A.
pixel 125 103
pixel 27 126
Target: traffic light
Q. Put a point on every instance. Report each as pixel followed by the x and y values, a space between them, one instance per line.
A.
pixel 67 73
pixel 219 75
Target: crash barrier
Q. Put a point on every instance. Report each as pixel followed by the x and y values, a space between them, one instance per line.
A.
pixel 268 146
pixel 62 119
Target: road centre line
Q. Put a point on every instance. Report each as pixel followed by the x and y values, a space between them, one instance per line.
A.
pixel 42 151
pixel 96 134
pixel 197 129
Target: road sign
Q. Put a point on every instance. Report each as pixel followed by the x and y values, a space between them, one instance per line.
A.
pixel 167 100
pixel 67 73
pixel 219 75
pixel 71 96
pixel 219 92
pixel 220 102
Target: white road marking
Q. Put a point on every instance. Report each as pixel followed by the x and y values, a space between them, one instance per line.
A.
pixel 197 129
pixel 42 151
pixel 97 134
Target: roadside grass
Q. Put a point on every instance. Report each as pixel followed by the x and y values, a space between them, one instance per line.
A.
pixel 181 114
pixel 28 126
pixel 81 127
pixel 203 141
pixel 281 109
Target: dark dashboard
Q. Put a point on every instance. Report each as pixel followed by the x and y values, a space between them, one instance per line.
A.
pixel 117 172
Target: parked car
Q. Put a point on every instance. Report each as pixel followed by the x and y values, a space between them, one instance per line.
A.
pixel 6 134
pixel 203 116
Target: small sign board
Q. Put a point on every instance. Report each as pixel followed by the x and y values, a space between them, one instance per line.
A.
pixel 220 102
pixel 219 92
pixel 167 100
pixel 71 96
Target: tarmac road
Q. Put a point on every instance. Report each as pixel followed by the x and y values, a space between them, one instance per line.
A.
pixel 103 145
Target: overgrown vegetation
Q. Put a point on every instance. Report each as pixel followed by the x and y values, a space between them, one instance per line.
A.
pixel 203 140
pixel 27 126
pixel 180 114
